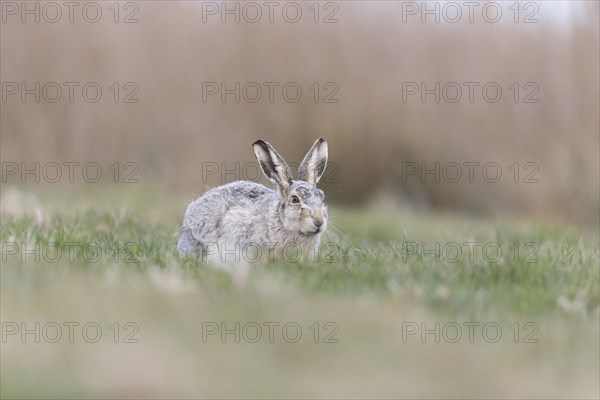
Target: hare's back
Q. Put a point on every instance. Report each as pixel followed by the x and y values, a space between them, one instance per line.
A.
pixel 245 193
pixel 209 210
pixel 239 193
pixel 246 190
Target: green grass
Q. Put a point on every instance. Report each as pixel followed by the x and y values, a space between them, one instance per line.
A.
pixel 372 287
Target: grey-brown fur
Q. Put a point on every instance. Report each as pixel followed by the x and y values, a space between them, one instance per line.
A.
pixel 229 217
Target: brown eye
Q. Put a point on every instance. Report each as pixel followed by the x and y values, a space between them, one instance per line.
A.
pixel 295 199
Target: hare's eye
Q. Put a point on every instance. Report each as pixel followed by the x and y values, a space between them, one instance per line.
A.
pixel 295 199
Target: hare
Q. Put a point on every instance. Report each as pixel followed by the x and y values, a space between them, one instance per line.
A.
pixel 227 221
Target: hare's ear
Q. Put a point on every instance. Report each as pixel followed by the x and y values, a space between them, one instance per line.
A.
pixel 312 167
pixel 272 164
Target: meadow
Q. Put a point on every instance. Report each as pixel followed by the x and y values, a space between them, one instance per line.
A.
pixel 439 277
pixel 394 309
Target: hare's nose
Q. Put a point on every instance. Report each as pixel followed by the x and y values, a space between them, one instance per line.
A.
pixel 318 223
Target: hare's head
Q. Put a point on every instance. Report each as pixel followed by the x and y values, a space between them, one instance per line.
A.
pixel 301 204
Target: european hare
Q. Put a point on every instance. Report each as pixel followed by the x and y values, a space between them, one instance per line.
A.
pixel 229 220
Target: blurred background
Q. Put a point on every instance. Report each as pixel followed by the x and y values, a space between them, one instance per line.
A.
pixel 513 161
pixel 365 60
